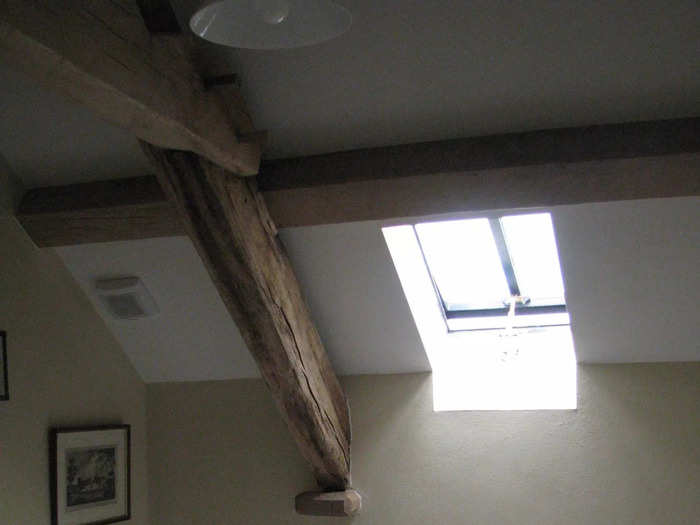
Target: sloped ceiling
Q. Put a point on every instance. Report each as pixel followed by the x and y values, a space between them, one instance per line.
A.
pixel 192 336
pixel 629 269
pixel 50 141
pixel 631 276
pixel 410 71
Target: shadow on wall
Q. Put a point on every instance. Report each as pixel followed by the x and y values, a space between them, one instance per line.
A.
pixel 11 189
pixel 653 445
pixel 221 454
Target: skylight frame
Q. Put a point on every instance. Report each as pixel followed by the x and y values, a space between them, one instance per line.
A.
pixel 531 308
pixel 541 375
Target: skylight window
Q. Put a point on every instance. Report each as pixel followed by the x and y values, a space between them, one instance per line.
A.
pixel 481 266
pixel 487 296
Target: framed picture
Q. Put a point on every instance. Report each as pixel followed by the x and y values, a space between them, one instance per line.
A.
pixel 4 385
pixel 90 475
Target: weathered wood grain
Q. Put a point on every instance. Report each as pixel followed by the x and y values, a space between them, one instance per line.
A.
pixel 230 227
pixel 504 188
pixel 635 160
pixel 100 53
pixel 103 211
pixel 561 146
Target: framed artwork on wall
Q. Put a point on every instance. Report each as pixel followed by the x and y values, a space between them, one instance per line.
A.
pixel 4 384
pixel 90 475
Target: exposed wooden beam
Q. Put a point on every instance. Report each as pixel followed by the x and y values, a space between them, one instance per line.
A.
pixel 540 168
pixel 103 211
pixel 504 188
pixel 100 53
pixel 228 223
pixel 647 160
pixel 561 146
pixel 334 504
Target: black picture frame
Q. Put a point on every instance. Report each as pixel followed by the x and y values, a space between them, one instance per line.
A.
pixel 54 434
pixel 5 391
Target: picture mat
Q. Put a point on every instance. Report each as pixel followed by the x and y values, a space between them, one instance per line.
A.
pixel 92 439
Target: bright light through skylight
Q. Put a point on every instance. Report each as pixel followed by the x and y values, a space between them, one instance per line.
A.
pixel 498 323
pixel 530 239
pixel 480 266
pixel 458 277
pixel 463 260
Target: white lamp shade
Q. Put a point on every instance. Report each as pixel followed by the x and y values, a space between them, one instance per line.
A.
pixel 270 24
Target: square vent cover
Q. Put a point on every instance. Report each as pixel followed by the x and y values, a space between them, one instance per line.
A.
pixel 126 298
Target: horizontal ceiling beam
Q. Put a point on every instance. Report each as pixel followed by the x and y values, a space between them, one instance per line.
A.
pixel 100 54
pixel 505 188
pixel 103 211
pixel 560 146
pixel 540 168
pixel 647 160
pixel 227 221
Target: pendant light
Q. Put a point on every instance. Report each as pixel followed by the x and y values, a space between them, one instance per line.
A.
pixel 270 24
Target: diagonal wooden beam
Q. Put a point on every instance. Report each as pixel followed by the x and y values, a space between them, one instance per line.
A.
pixel 100 53
pixel 230 227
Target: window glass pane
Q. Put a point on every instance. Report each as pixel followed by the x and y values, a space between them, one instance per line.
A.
pixel 533 250
pixel 464 263
pixel 521 321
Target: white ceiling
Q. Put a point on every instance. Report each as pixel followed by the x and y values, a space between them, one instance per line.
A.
pixel 50 141
pixel 630 270
pixel 193 336
pixel 413 70
pixel 356 298
pixel 632 279
pixel 407 70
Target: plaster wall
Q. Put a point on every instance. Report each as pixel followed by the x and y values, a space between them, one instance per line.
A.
pixel 628 455
pixel 65 369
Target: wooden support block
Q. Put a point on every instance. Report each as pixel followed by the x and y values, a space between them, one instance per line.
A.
pixel 336 504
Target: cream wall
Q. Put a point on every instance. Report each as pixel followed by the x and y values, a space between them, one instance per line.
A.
pixel 65 369
pixel 220 455
pixel 630 454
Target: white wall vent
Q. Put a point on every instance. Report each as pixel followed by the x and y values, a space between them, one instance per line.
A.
pixel 126 298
